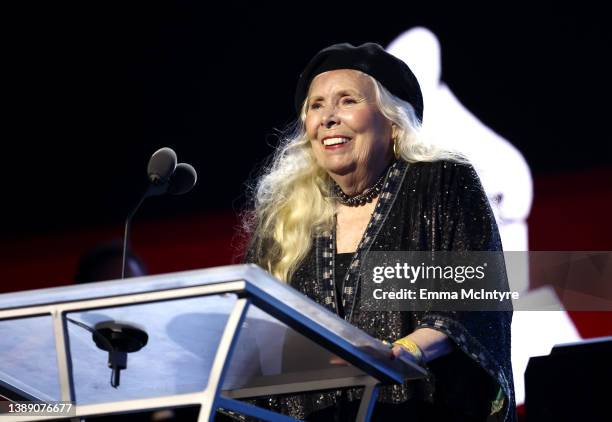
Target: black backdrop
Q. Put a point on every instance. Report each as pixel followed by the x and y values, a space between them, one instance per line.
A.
pixel 91 89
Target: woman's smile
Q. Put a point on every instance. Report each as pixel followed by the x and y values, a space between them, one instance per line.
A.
pixel 336 142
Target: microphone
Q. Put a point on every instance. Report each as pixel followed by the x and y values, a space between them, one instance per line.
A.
pixel 183 179
pixel 160 169
pixel 165 176
pixel 161 165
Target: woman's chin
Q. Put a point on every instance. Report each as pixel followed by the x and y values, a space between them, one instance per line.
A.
pixel 341 169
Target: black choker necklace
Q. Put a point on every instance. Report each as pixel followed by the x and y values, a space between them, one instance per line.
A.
pixel 364 197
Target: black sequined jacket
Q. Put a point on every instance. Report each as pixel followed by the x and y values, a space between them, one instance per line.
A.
pixel 437 206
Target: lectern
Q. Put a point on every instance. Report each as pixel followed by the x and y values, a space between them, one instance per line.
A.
pixel 215 337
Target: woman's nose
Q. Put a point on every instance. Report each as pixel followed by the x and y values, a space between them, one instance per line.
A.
pixel 330 119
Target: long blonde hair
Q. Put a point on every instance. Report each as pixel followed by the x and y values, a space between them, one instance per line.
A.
pixel 292 201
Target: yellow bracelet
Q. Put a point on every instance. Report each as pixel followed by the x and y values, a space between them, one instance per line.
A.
pixel 411 347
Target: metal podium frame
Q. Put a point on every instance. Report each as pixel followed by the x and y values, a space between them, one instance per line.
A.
pixel 236 279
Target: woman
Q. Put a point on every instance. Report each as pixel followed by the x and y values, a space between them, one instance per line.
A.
pixel 355 178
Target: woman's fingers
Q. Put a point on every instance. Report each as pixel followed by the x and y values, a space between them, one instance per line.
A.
pixel 335 360
pixel 399 351
pixel 396 352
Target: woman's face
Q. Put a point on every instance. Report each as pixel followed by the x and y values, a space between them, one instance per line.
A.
pixel 348 134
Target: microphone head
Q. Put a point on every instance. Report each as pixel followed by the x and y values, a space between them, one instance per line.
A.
pixel 161 165
pixel 183 179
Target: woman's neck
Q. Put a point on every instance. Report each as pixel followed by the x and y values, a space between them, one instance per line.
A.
pixel 357 182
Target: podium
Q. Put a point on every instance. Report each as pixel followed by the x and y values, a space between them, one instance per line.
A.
pixel 563 385
pixel 215 337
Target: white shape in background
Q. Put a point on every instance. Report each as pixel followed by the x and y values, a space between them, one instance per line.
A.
pixel 503 171
pixel 506 179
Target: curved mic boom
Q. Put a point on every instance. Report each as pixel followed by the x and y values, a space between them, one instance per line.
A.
pixel 165 176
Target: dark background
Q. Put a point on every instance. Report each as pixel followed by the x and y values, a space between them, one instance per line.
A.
pixel 94 88
pixel 91 89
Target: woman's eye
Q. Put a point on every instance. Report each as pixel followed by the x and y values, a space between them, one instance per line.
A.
pixel 348 100
pixel 315 106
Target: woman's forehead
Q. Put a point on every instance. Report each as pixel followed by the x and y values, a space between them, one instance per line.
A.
pixel 333 81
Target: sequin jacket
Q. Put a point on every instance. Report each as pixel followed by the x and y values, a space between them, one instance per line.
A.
pixel 437 206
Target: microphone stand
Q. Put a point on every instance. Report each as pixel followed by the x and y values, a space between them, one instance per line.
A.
pixel 154 188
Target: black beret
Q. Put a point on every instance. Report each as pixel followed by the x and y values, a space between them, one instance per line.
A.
pixel 370 58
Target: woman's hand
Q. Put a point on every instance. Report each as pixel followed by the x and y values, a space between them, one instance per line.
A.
pixel 396 352
pixel 423 345
pixel 335 360
pixel 399 352
pixel 431 343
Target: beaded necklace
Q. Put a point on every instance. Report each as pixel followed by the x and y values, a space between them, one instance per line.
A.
pixel 362 198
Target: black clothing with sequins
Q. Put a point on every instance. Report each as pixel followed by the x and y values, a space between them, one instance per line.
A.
pixel 341 265
pixel 438 206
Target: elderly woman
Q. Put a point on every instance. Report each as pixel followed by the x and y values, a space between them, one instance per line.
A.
pixel 355 177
